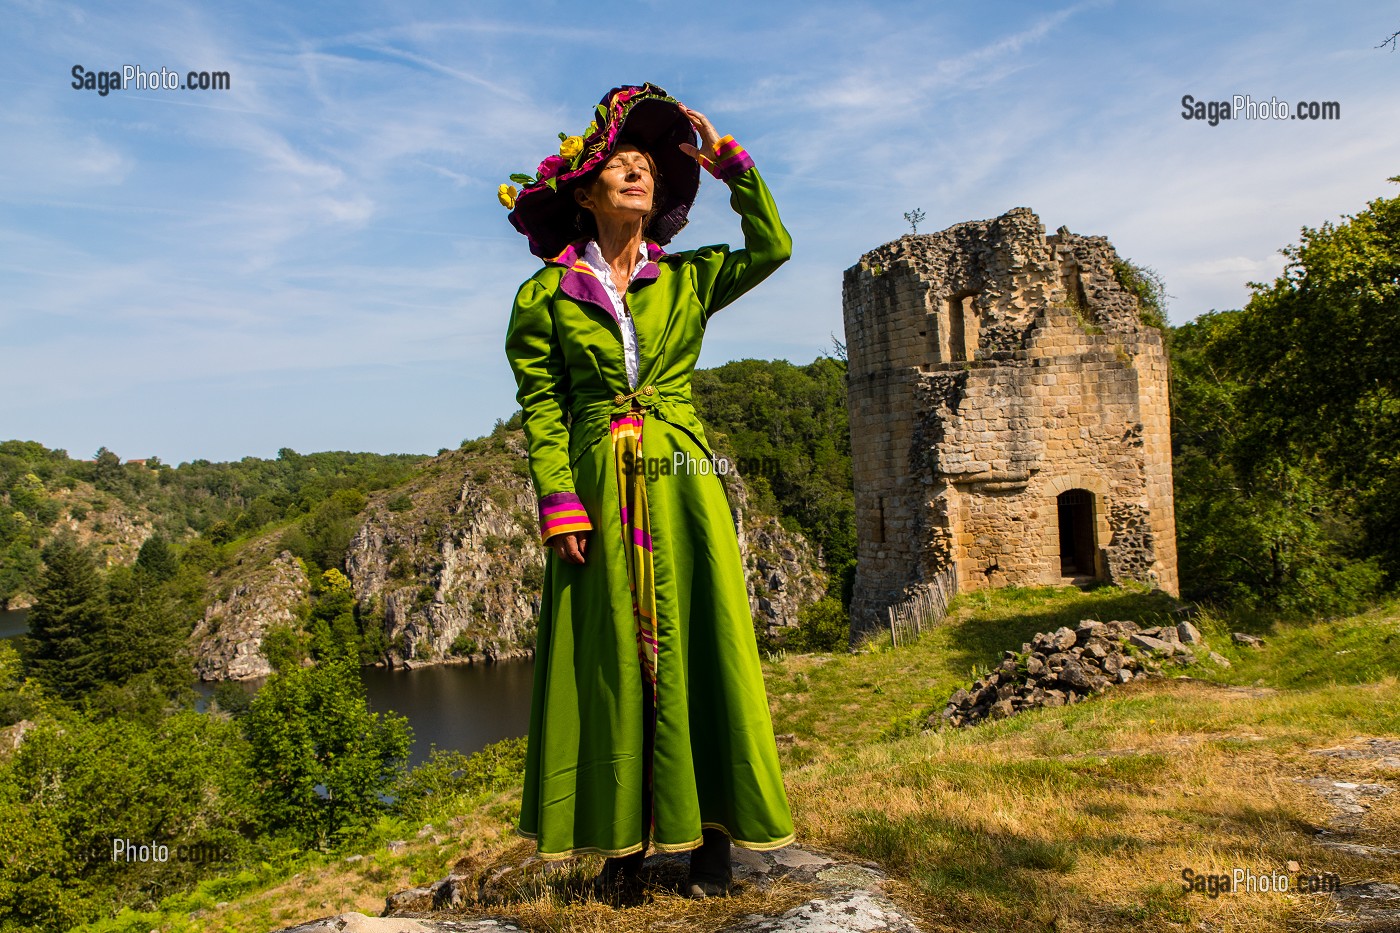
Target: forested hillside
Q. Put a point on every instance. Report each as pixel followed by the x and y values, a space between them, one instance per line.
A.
pixel 115 506
pixel 1286 427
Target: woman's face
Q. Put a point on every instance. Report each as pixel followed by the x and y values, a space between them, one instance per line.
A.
pixel 624 191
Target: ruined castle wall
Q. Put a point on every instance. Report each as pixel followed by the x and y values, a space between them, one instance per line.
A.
pixel 884 320
pixel 1062 419
pixel 1154 411
pixel 991 369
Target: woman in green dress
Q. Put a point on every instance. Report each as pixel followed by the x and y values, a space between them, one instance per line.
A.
pixel 649 724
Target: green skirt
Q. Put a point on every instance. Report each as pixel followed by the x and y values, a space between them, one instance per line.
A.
pixel 714 760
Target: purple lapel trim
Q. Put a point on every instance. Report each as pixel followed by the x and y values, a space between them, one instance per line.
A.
pixel 580 283
pixel 649 272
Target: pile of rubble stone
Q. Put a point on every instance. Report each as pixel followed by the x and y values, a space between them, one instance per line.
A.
pixel 1070 664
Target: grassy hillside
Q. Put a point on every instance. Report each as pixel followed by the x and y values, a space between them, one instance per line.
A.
pixel 1080 817
pixel 1083 817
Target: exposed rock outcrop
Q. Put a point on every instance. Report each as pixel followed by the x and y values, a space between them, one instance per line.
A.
pixel 11 737
pixel 456 574
pixel 1352 829
pixel 227 642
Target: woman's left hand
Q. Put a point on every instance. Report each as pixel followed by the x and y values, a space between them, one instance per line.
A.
pixel 709 136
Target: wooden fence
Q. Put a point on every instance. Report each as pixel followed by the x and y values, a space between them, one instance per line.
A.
pixel 926 607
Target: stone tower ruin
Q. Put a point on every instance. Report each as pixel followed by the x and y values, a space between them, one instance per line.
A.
pixel 1009 416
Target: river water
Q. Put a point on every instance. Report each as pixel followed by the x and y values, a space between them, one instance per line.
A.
pixel 12 622
pixel 453 706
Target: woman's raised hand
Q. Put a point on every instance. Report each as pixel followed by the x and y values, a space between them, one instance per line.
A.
pixel 709 136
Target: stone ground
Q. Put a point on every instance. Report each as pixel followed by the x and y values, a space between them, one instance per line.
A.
pixel 850 897
pixel 1364 906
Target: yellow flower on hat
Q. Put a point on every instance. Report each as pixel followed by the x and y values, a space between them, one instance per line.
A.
pixel 571 146
pixel 506 195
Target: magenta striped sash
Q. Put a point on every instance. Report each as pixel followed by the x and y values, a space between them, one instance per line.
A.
pixel 626 432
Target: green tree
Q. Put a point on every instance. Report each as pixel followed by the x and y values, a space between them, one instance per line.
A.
pixel 788 425
pixel 20 698
pixel 145 659
pixel 322 537
pixel 156 560
pixel 230 697
pixel 450 779
pixel 68 620
pixel 29 496
pixel 284 647
pixel 221 532
pixel 200 556
pixel 20 565
pixel 1258 526
pixel 334 633
pixel 823 626
pixel 323 760
pixel 107 473
pixel 1316 350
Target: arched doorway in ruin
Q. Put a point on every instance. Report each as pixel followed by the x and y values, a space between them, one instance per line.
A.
pixel 1078 544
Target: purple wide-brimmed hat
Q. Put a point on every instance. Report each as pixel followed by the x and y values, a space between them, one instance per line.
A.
pixel 544 209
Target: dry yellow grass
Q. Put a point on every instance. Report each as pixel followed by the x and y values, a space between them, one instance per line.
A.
pixel 1080 818
pixel 1083 818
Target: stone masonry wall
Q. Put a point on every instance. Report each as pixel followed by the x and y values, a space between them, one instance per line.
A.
pixel 991 369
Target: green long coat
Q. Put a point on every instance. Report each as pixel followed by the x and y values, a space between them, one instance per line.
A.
pixel 715 762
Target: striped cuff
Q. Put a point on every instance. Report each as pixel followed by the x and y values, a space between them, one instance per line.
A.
pixel 728 160
pixel 561 513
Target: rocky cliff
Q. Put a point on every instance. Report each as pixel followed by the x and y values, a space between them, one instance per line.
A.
pixel 450 566
pixel 455 571
pixel 227 642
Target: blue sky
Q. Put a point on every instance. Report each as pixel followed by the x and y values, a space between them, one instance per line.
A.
pixel 316 259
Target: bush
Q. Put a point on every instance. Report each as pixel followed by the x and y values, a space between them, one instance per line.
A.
pixel 19 698
pixel 76 785
pixel 822 626
pixel 284 647
pixel 231 698
pixel 331 624
pixel 322 760
pixel 449 777
pixel 200 555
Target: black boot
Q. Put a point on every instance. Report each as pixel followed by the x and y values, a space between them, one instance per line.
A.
pixel 710 872
pixel 621 878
